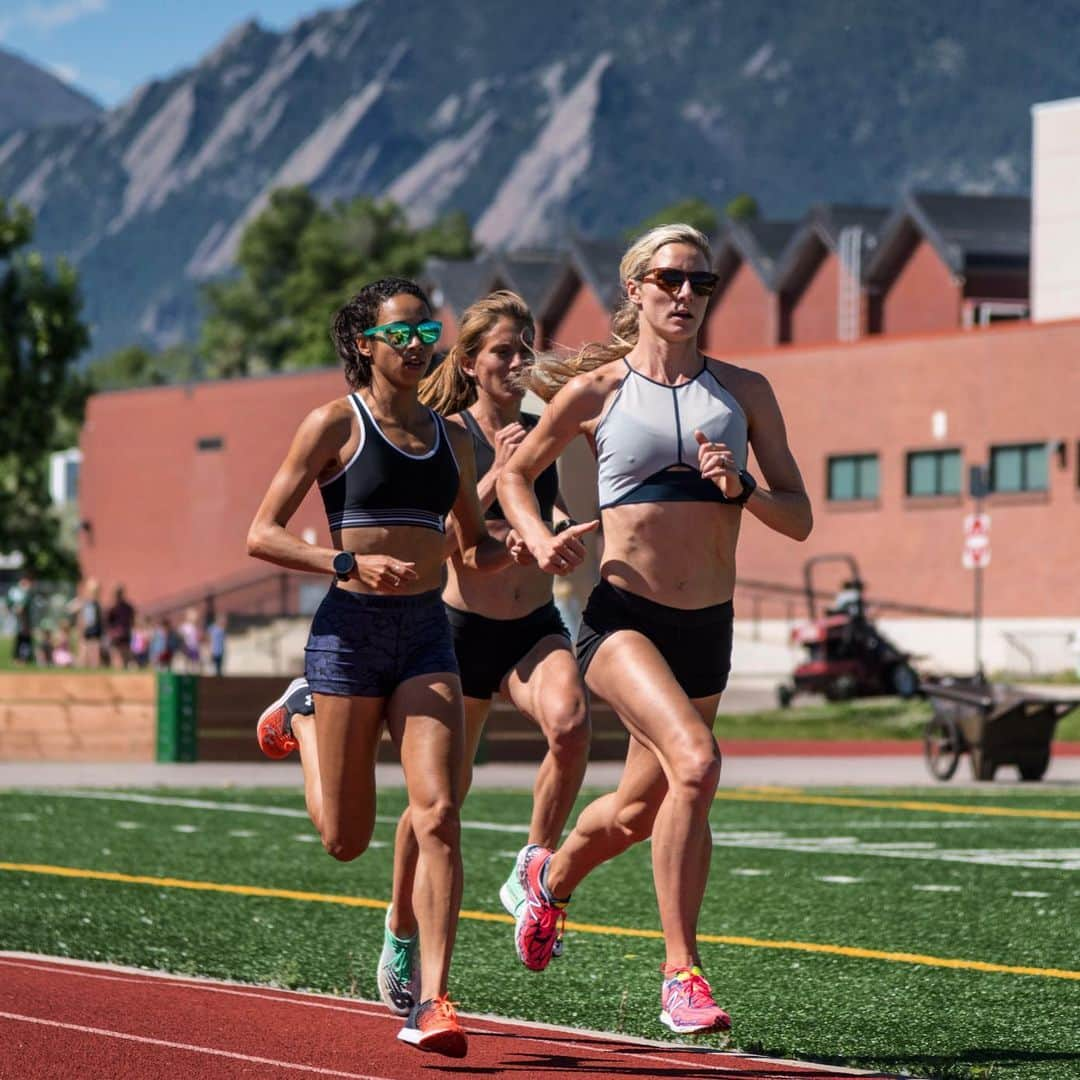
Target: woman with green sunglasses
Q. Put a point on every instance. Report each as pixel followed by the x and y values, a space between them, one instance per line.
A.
pixel 380 652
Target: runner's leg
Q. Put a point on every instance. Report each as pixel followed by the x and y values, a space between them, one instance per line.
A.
pixel 546 687
pixel 425 717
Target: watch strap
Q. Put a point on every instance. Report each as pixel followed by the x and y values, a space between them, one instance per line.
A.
pixel 749 487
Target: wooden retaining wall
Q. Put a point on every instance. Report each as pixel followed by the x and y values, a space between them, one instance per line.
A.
pixel 91 716
pixel 77 716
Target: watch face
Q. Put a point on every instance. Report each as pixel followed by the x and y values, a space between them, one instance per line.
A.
pixel 343 562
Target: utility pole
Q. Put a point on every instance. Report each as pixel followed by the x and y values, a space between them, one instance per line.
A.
pixel 977 553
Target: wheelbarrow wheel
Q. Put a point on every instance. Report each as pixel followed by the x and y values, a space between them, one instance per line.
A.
pixel 942 744
pixel 1034 768
pixel 905 683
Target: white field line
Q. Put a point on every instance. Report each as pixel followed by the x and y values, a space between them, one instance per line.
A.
pixel 770 840
pixel 63 966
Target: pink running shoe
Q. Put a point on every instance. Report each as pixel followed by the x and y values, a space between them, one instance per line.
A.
pixel 688 1006
pixel 538 925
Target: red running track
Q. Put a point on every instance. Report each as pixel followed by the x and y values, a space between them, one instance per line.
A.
pixel 61 1020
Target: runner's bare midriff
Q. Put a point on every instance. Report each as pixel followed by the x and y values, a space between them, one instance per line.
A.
pixel 511 593
pixel 426 548
pixel 681 554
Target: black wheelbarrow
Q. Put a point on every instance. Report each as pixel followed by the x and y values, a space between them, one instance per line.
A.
pixel 993 723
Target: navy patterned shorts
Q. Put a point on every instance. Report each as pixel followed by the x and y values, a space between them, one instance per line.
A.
pixel 364 645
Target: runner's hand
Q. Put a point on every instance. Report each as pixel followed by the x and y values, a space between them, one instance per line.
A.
pixel 384 573
pixel 717 463
pixel 563 554
pixel 519 550
pixel 507 440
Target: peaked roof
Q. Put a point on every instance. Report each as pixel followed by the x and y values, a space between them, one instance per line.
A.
pixel 759 243
pixel 533 275
pixel 822 227
pixel 597 263
pixel 460 281
pixel 967 231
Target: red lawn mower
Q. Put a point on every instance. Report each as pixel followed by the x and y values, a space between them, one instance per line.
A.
pixel 847 656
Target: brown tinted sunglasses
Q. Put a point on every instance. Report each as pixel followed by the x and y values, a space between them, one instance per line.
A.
pixel 671 280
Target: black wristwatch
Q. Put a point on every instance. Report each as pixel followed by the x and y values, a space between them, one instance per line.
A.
pixel 563 525
pixel 749 486
pixel 344 564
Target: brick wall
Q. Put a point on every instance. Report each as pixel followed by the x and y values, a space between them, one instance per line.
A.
pixel 77 717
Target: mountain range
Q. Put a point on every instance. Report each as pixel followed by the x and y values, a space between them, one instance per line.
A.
pixel 534 120
pixel 31 97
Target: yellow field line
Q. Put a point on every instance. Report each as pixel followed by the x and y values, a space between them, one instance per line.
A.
pixel 897 804
pixel 584 928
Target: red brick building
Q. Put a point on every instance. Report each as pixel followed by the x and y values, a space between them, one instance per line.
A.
pixel 884 431
pixel 950 260
pixel 819 280
pixel 744 312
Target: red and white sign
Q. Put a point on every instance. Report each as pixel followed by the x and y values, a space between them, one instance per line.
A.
pixel 976 541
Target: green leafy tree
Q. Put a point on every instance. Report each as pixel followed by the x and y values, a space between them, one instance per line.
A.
pixel 136 365
pixel 41 336
pixel 691 211
pixel 297 263
pixel 742 208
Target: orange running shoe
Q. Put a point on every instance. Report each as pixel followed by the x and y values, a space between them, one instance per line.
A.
pixel 274 730
pixel 433 1026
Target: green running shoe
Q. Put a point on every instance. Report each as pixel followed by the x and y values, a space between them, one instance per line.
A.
pixel 511 893
pixel 399 971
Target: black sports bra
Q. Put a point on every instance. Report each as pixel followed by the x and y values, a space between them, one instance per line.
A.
pixel 383 485
pixel 546 486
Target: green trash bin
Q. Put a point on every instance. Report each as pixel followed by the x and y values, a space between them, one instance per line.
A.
pixel 177 716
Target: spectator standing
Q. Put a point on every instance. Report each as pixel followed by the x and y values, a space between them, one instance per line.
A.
pixel 217 644
pixel 62 655
pixel 90 622
pixel 191 640
pixel 140 642
pixel 20 602
pixel 119 621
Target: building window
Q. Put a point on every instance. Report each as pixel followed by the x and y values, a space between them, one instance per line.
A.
pixel 934 472
pixel 1022 467
pixel 64 467
pixel 853 476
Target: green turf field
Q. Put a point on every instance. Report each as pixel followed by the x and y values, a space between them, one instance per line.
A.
pixel 895 930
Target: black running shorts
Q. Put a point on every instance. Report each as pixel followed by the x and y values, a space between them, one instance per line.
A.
pixel 696 643
pixel 488 649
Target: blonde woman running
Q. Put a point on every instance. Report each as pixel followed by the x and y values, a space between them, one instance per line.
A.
pixel 670 430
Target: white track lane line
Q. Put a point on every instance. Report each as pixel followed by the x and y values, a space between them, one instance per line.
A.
pixel 562 1037
pixel 190 1047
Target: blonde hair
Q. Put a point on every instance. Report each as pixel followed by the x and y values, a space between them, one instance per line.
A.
pixel 552 371
pixel 450 389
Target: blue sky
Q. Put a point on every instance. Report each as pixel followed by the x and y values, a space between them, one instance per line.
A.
pixel 109 47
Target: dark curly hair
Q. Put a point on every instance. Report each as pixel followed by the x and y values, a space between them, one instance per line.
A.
pixel 362 313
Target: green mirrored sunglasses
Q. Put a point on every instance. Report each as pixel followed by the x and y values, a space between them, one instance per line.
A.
pixel 399 334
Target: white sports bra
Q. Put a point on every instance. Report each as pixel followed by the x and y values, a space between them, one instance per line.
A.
pixel 645 446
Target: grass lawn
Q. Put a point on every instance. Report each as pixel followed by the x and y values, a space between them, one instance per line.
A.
pixel 883 929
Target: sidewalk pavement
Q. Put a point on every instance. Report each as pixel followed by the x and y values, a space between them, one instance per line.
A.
pixel 742 768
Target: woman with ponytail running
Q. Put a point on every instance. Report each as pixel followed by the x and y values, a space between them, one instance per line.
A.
pixel 508 635
pixel 670 430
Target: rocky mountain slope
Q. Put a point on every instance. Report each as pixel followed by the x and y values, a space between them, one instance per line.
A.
pixel 535 119
pixel 31 97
